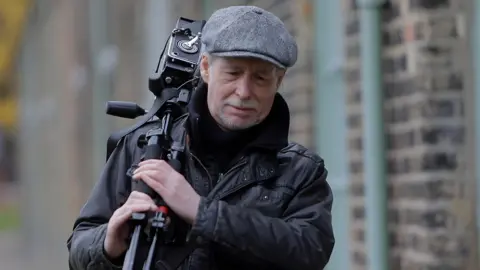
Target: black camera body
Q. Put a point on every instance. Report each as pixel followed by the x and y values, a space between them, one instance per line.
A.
pixel 179 62
pixel 173 79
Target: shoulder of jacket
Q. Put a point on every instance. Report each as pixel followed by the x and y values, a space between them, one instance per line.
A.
pixel 299 152
pixel 152 123
pixel 143 129
pixel 132 137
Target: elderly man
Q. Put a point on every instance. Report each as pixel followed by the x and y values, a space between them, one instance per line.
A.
pixel 250 198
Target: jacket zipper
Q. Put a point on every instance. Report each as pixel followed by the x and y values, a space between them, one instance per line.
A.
pixel 210 180
pixel 241 161
pixel 235 189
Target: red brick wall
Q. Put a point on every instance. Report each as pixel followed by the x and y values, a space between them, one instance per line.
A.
pixel 424 67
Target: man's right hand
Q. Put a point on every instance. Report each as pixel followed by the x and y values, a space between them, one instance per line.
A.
pixel 117 229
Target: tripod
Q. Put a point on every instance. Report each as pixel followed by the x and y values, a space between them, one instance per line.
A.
pixel 158 144
pixel 172 84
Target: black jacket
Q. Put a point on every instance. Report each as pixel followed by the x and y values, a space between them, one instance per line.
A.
pixel 271 210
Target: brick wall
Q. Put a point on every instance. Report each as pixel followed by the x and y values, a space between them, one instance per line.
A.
pixel 424 65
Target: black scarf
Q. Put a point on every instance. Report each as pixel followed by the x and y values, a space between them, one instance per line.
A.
pixel 209 141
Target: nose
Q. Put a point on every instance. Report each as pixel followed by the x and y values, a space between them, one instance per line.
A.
pixel 243 88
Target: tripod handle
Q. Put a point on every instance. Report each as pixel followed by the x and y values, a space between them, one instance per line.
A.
pixel 153 151
pixel 140 186
pixel 175 164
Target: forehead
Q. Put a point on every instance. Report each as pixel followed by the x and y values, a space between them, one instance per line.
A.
pixel 245 62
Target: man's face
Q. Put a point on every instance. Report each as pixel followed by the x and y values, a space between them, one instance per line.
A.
pixel 240 90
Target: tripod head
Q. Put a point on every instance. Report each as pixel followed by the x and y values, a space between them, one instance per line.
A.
pixel 172 84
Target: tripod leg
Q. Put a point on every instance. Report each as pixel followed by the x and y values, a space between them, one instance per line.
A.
pixel 158 226
pixel 131 256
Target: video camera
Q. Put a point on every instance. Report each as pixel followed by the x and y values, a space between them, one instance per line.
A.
pixel 172 83
pixel 175 71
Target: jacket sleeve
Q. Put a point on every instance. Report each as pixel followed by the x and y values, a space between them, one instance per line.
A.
pixel 302 239
pixel 85 244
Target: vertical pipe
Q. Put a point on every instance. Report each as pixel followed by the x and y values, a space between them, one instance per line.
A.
pixel 207 9
pixel 101 84
pixel 476 64
pixel 29 68
pixel 159 23
pixel 330 111
pixel 373 136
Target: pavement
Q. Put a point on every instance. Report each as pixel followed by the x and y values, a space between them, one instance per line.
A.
pixel 18 255
pixel 10 244
pixel 8 193
pixel 11 251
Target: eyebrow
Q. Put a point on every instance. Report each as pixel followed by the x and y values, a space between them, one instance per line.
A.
pixel 266 70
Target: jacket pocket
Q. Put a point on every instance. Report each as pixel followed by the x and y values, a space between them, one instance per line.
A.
pixel 270 201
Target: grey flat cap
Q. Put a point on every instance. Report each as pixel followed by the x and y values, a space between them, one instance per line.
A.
pixel 249 31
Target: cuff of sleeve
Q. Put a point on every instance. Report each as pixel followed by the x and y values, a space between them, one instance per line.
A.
pixel 115 263
pixel 99 256
pixel 205 221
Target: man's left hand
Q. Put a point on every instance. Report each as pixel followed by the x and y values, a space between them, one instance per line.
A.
pixel 174 189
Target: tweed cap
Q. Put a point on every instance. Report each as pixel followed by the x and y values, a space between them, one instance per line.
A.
pixel 249 31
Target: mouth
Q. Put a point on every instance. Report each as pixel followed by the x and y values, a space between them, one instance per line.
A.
pixel 241 110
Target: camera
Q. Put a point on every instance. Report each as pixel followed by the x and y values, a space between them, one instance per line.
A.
pixel 173 80
pixel 179 62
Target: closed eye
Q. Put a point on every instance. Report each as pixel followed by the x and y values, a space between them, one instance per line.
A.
pixel 262 78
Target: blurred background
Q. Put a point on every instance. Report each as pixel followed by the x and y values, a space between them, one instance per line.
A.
pixel 387 92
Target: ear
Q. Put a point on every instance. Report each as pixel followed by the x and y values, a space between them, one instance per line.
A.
pixel 280 76
pixel 204 67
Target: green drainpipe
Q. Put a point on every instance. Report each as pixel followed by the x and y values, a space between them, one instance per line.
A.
pixel 476 63
pixel 207 9
pixel 374 138
pixel 101 81
pixel 330 119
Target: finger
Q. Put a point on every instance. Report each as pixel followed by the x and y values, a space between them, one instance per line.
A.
pixel 155 175
pixel 127 211
pixel 135 201
pixel 151 182
pixel 124 213
pixel 160 165
pixel 159 162
pixel 137 195
pixel 120 219
pixel 150 167
pixel 137 206
pixel 138 200
pixel 137 173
